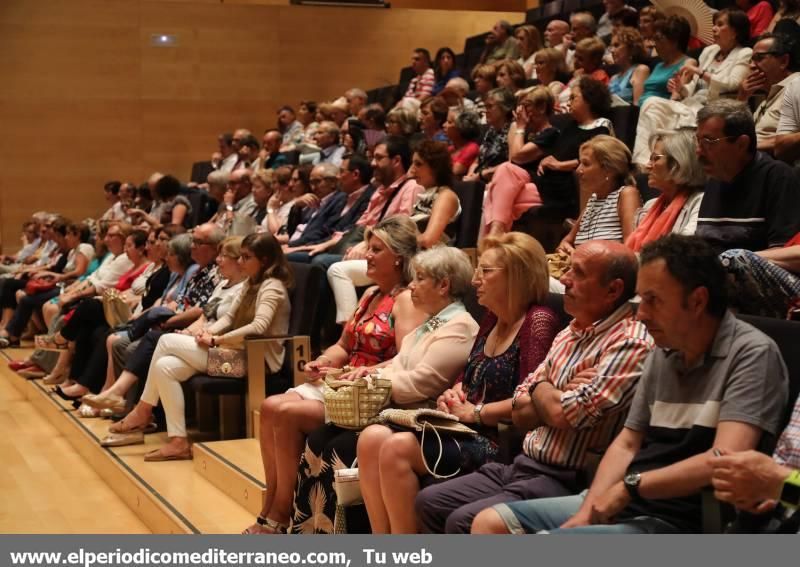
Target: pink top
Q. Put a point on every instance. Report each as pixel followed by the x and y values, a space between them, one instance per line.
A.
pixel 466 154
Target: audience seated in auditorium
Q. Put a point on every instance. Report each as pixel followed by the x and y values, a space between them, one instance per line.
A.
pixel 290 128
pixel 510 75
pixel 500 44
pixel 119 344
pixel 170 206
pixel 372 335
pixel 651 477
pixel 529 42
pixel 516 333
pixel 787 142
pixel 614 9
pixel 354 182
pixel 572 404
pixel 773 67
pixel 421 86
pixel 330 202
pixel 306 115
pixel 609 192
pixel 756 483
pixel 588 62
pixel 551 69
pixel 30 243
pixel 444 69
pixel 356 100
pixel 676 173
pixel 648 17
pixel 463 129
pixel 286 187
pixel 77 255
pixel 722 67
pixel 401 122
pixel 227 154
pixel 118 196
pixel 328 141
pixel 759 13
pixel 485 79
pixel 455 94
pixel 671 40
pixel 751 200
pixel 261 309
pixel 432 116
pixel 429 360
pixel 271 156
pixel 627 49
pixel 554 181
pixel 554 34
pixel 582 26
pixel 494 144
pixel 787 10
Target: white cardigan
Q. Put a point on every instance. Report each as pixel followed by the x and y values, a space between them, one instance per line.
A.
pixel 725 79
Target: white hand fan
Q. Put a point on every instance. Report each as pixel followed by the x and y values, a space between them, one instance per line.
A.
pixel 699 14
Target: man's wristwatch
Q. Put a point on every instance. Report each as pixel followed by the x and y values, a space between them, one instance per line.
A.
pixel 533 387
pixel 477 411
pixel 790 495
pixel 631 482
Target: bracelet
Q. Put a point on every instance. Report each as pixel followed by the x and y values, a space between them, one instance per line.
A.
pixel 213 341
pixel 519 131
pixel 477 411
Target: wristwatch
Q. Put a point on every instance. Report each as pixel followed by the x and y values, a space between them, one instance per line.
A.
pixel 477 411
pixel 631 482
pixel 229 208
pixel 790 495
pixel 533 387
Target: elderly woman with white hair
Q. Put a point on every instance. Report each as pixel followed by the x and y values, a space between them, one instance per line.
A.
pixel 674 170
pixel 430 359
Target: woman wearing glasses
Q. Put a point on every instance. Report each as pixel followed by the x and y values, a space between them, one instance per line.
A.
pixel 722 68
pixel 511 283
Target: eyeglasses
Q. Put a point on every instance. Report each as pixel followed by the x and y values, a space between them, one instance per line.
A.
pixel 707 142
pixel 480 271
pixel 245 256
pixel 318 181
pixel 763 54
pixel 201 242
pixel 655 157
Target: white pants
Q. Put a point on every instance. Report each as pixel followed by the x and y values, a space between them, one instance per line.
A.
pixel 176 359
pixel 344 277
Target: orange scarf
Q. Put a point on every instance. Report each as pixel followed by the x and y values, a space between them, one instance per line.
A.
pixel 658 222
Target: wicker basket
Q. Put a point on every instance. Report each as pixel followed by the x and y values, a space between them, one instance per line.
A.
pixel 356 404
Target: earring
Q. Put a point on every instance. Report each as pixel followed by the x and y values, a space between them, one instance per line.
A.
pixel 397 263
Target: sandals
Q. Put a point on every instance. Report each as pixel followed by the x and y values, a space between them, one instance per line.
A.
pixel 123 427
pixel 88 411
pixel 49 342
pixel 157 456
pixel 105 401
pixel 6 342
pixel 66 397
pixel 265 526
pixel 123 439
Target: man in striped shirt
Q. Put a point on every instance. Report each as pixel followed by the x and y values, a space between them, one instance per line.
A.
pixel 421 86
pixel 573 404
pixel 715 384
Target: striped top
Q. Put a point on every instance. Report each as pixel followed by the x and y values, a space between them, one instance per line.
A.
pixel 616 348
pixel 600 219
pixel 787 452
pixel 421 86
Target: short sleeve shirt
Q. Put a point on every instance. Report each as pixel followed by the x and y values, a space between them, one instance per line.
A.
pixel 741 378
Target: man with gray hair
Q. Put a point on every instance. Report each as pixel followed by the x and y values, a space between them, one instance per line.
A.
pixel 500 44
pixel 455 93
pixel 325 186
pixel 328 140
pixel 751 200
pixel 356 100
pixel 583 25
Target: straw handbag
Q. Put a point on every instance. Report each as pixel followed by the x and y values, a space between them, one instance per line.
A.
pixel 423 420
pixel 355 404
pixel 116 311
pixel 348 493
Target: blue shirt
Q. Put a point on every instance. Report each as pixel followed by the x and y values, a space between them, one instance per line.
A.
pixel 656 83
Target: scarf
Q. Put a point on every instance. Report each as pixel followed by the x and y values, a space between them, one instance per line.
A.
pixel 658 222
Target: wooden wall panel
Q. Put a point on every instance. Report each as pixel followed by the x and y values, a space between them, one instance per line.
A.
pixel 86 97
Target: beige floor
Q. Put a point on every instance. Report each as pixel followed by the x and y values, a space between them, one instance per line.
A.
pixel 45 487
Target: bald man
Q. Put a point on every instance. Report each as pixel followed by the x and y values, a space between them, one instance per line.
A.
pixel 554 33
pixel 572 406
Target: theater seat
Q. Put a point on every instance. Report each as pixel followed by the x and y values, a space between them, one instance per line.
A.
pixel 304 297
pixel 625 119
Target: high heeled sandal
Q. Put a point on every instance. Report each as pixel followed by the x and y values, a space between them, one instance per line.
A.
pixel 105 401
pixel 266 526
pixel 49 342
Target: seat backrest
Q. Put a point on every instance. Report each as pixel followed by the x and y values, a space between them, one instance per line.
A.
pixel 786 335
pixel 470 194
pixel 292 157
pixel 305 296
pixel 198 199
pixel 625 119
pixel 200 171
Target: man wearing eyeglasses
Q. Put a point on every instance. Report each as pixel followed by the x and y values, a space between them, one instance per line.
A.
pixel 325 185
pixel 773 66
pixel 751 201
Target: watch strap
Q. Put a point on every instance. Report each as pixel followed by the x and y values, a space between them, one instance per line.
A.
pixel 790 494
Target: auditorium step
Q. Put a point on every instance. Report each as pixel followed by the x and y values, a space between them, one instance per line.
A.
pixel 169 497
pixel 235 468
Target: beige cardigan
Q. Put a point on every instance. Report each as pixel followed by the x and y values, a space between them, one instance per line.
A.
pixel 271 320
pixel 425 368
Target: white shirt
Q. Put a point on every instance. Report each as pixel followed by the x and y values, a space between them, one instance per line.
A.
pixel 109 272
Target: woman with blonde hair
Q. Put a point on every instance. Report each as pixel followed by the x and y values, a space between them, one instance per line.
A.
pixel 529 41
pixel 511 282
pixel 608 191
pixel 430 359
pixel 485 79
pixel 261 309
pixel 401 122
pixel 589 54
pixel 550 67
pixel 510 75
pixel 385 315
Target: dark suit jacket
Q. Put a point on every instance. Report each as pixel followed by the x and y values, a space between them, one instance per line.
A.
pixel 348 221
pixel 320 226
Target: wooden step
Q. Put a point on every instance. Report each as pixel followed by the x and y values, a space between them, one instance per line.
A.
pixel 169 497
pixel 235 468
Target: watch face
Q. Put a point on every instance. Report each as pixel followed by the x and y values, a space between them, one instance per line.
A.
pixel 632 479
